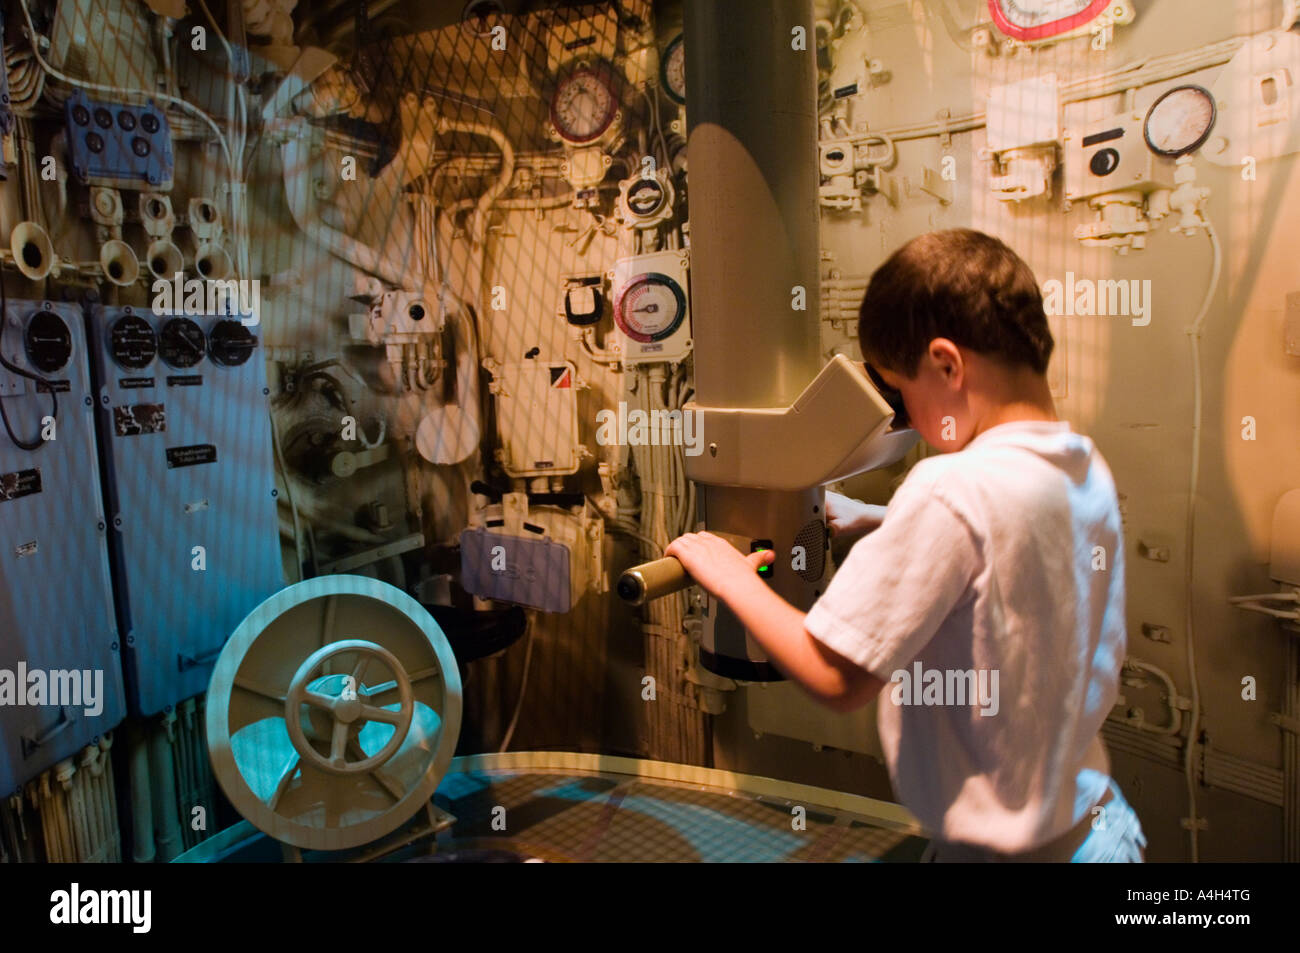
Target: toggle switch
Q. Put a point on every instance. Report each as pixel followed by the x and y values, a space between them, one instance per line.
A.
pixel 756 545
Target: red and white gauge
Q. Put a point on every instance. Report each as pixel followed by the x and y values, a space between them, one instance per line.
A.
pixel 584 105
pixel 650 308
pixel 1031 20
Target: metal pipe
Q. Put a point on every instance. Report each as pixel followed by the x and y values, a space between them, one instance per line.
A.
pixel 141 799
pixel 109 789
pixel 167 829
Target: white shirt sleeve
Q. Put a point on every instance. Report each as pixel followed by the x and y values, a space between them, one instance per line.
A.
pixel 898 583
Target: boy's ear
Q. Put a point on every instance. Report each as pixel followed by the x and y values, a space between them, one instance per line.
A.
pixel 947 359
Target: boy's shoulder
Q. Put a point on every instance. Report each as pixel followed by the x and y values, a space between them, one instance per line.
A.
pixel 1008 458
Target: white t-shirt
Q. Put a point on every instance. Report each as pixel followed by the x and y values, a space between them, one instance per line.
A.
pixel 1004 561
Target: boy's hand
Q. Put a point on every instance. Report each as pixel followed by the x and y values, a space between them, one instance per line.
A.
pixel 850 517
pixel 714 563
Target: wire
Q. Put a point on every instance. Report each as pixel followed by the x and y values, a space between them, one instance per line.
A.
pixel 21 444
pixel 523 687
pixel 1194 339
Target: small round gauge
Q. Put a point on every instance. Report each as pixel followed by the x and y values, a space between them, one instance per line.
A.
pixel 584 105
pixel 650 307
pixel 672 70
pixel 645 197
pixel 132 342
pixel 1040 19
pixel 230 343
pixel 1180 121
pixel 181 343
pixel 49 342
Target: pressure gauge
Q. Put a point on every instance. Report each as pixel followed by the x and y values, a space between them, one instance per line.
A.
pixel 231 344
pixel 1180 121
pixel 132 342
pixel 181 343
pixel 650 307
pixel 48 341
pixel 584 105
pixel 672 70
pixel 1029 20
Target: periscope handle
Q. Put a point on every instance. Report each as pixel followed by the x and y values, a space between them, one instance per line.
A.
pixel 653 580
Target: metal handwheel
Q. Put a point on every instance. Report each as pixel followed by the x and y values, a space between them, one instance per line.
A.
pixel 350 708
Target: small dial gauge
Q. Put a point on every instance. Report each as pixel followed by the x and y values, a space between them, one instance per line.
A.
pixel 584 105
pixel 181 343
pixel 645 197
pixel 1039 19
pixel 673 70
pixel 1180 121
pixel 230 343
pixel 650 308
pixel 48 341
pixel 132 342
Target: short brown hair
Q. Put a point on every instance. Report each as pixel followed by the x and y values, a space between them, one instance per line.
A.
pixel 958 284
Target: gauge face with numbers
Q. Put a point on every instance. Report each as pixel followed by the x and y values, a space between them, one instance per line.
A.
pixel 181 343
pixel 132 342
pixel 650 308
pixel 673 69
pixel 584 105
pixel 1180 121
pixel 1039 19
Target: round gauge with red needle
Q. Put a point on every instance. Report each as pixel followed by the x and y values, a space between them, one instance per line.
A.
pixel 650 307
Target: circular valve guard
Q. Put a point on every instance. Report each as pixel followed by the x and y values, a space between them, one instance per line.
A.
pixel 308 740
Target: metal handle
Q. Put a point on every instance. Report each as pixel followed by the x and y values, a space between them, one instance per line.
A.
pixel 29 745
pixel 653 580
pixel 186 662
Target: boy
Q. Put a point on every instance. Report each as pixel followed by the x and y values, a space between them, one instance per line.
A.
pixel 1003 561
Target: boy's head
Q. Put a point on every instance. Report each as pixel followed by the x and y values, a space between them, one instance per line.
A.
pixel 954 321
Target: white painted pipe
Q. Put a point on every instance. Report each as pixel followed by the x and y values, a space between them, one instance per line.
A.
pixel 296 162
pixel 167 831
pixel 93 799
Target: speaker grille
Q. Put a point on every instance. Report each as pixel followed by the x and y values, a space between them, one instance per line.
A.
pixel 813 540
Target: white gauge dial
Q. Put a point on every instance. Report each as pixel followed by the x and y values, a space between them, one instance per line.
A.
pixel 674 70
pixel 584 105
pixel 1036 19
pixel 1180 121
pixel 650 308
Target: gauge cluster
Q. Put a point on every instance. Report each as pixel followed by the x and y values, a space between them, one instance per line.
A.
pixel 134 341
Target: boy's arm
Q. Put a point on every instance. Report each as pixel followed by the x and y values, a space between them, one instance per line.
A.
pixel 775 624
